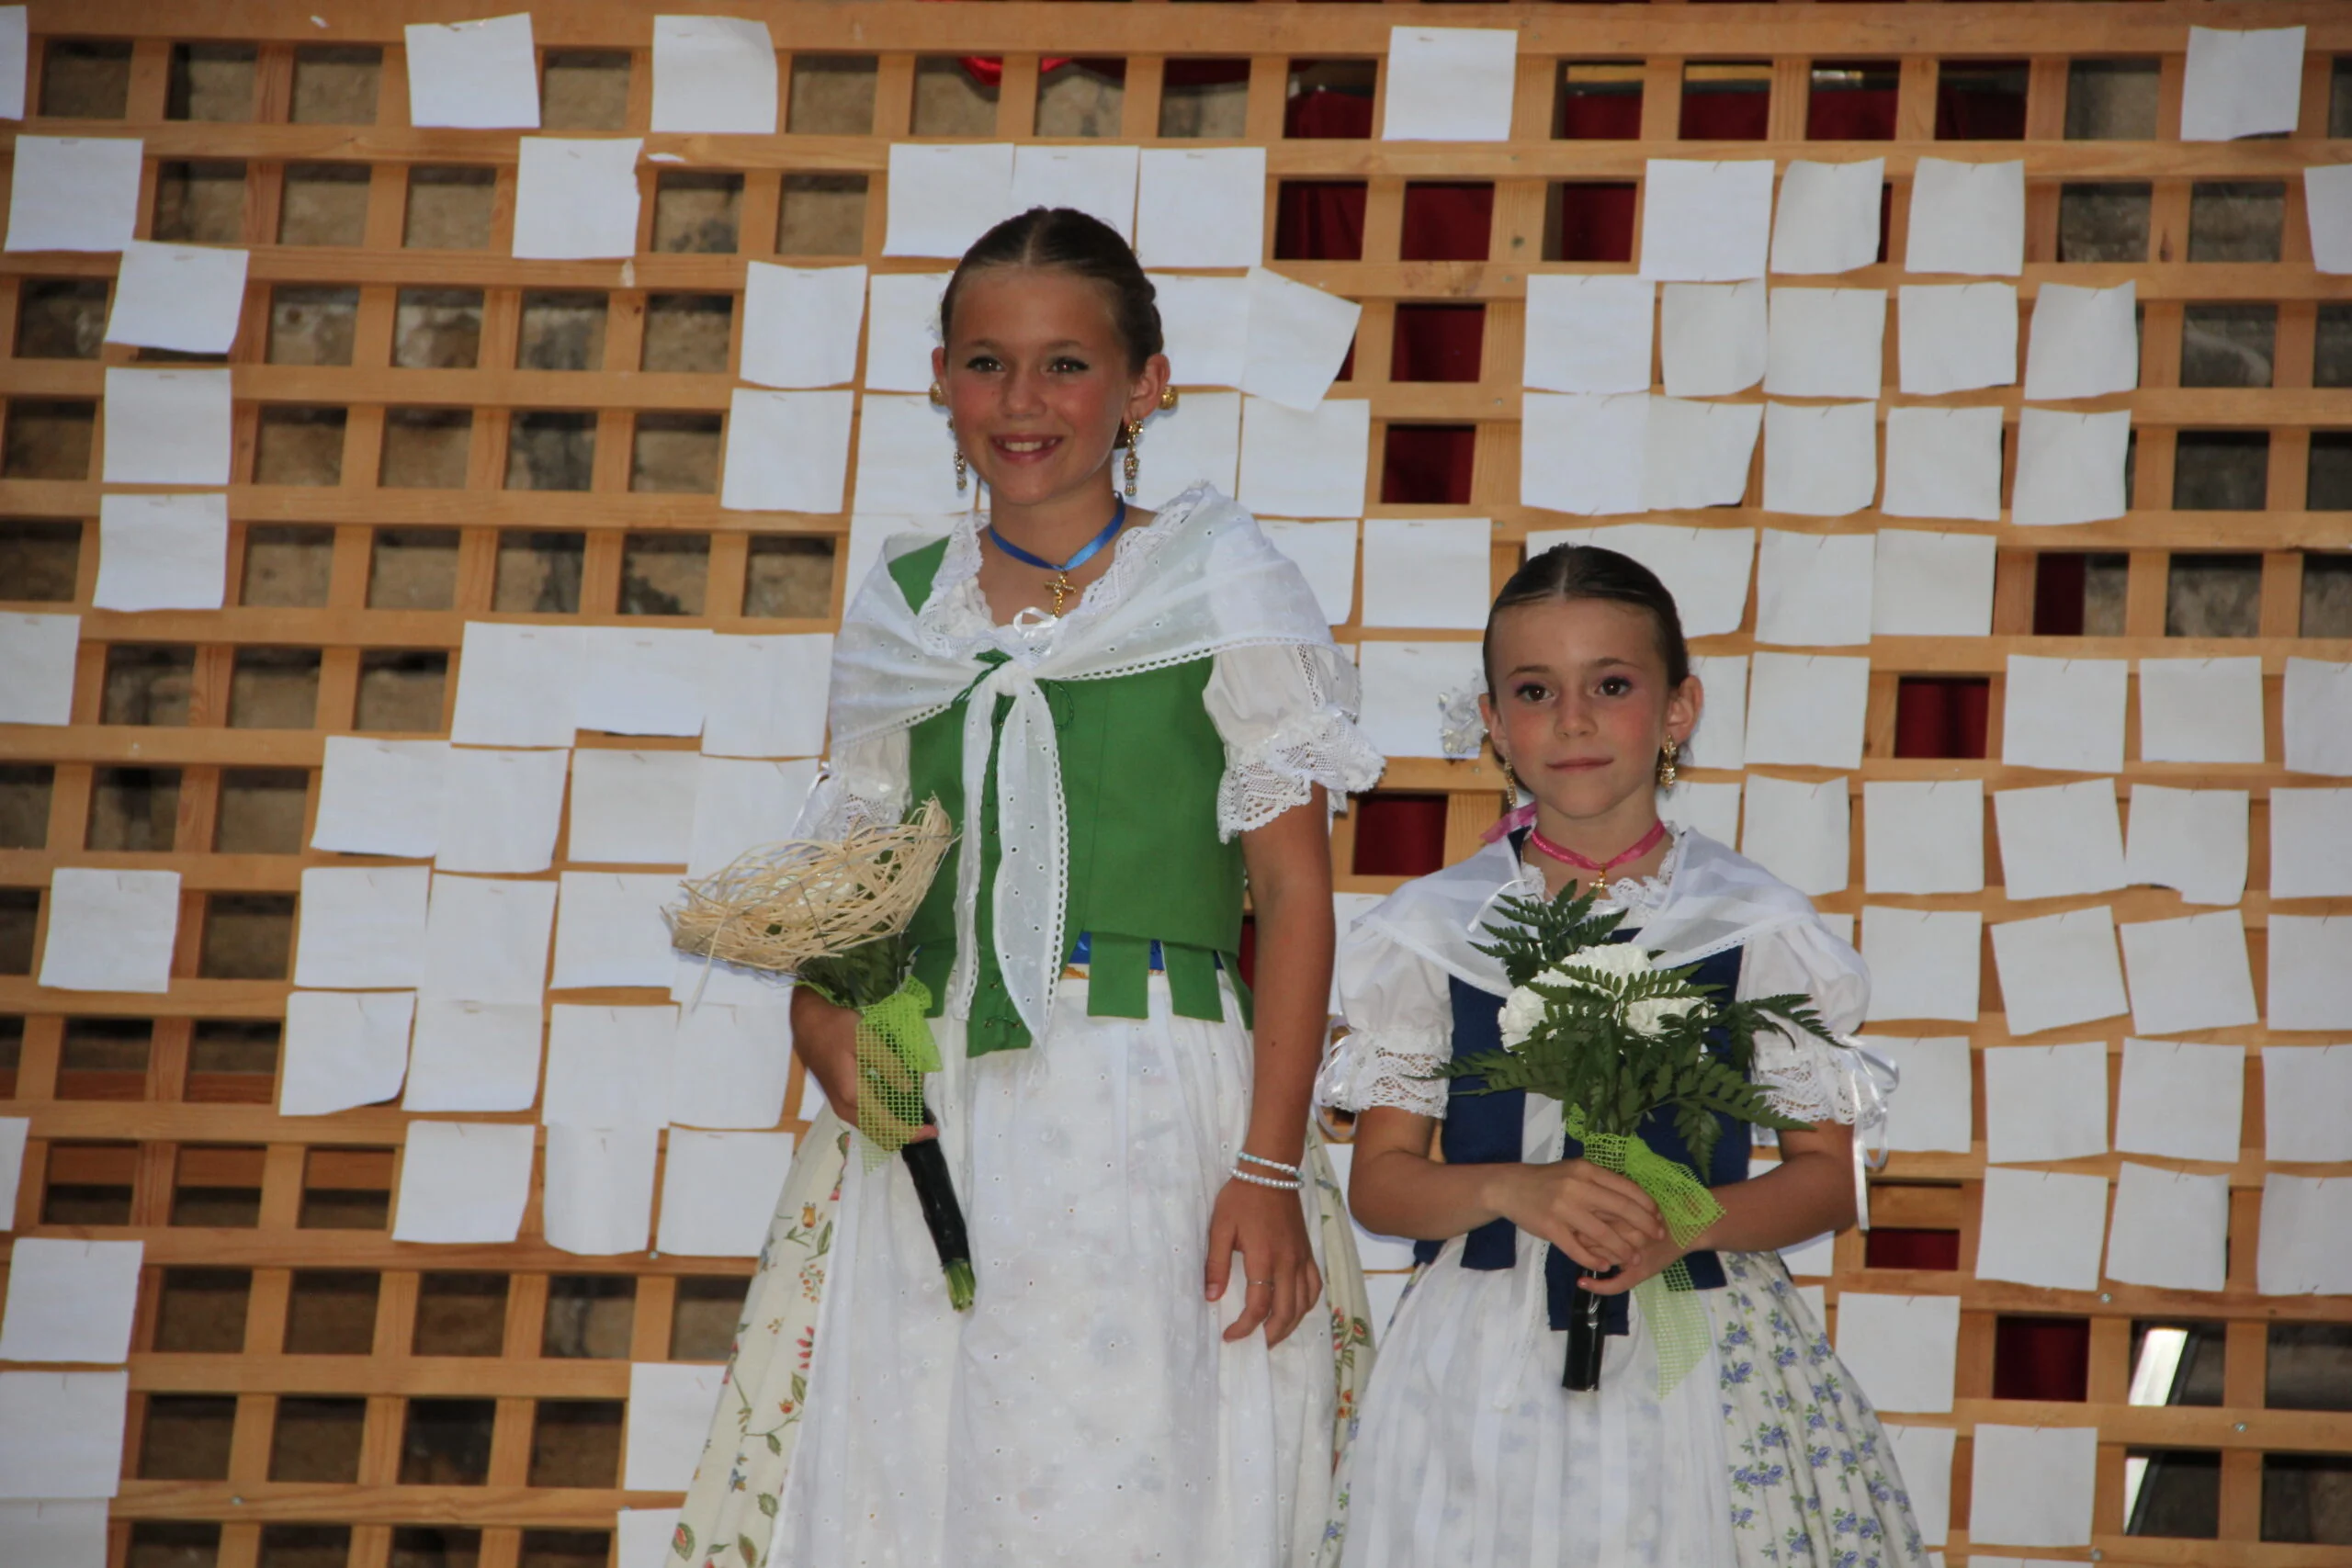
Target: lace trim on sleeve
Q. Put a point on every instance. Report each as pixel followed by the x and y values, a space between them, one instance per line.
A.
pixel 1395 1067
pixel 1805 1079
pixel 1273 776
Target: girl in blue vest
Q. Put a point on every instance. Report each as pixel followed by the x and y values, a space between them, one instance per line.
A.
pixel 1128 717
pixel 1468 1451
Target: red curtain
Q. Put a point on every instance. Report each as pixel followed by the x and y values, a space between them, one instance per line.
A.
pixel 1725 111
pixel 1447 222
pixel 1601 114
pixel 1975 106
pixel 1941 717
pixel 1399 835
pixel 2041 1357
pixel 1863 112
pixel 1438 343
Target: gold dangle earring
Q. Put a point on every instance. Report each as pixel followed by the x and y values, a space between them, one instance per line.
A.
pixel 963 467
pixel 1510 784
pixel 1132 464
pixel 1668 758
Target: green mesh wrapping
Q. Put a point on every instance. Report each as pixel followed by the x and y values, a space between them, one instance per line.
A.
pixel 1676 1318
pixel 894 1050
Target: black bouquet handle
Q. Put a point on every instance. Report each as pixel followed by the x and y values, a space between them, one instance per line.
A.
pixel 942 1214
pixel 1587 1337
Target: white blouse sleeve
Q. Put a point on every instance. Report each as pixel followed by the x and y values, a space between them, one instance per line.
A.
pixel 1287 715
pixel 1399 1014
pixel 1807 1077
pixel 861 785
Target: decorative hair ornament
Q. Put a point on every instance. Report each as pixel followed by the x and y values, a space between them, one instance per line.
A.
pixel 1460 729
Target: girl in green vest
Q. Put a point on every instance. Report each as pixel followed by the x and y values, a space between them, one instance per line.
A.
pixel 1130 718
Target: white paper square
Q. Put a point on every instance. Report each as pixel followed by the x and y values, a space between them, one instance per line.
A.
pixel 739 805
pixel 766 695
pixel 906 459
pixel 13 1132
pixel 1929 585
pixel 1814 590
pixel 2306 1243
pixel 2304 1090
pixel 1924 1456
pixel 480 76
pixel 2318 718
pixel 1589 333
pixel 1205 325
pixel 1828 215
pixel 575 199
pixel 361 927
pixel 785 451
pixel 1903 1349
pixel 1826 343
pixel 1099 181
pixel 1582 454
pixel 2189 973
pixel 2045 1103
pixel 2059 970
pixel 2059 840
pixel 632 808
pixel 1799 831
pixel 1325 554
pixel 1698 453
pixel 1405 685
pixel 2200 710
pixel 181 297
pixel 1924 962
pixel 1706 221
pixel 1428 571
pixel 800 324
pixel 464 1181
pixel 608 1067
pixel 1925 837
pixel 2311 842
pixel 486 939
pixel 162 552
pixel 610 929
pixel 1957 337
pixel 1933 1107
pixel 1311 464
pixel 1200 206
pixel 2242 83
pixel 1820 460
pixel 58 1534
pixel 902 330
pixel 474 1057
pixel 15 51
pixel 729 1066
pixel 1450 84
pixel 38 652
pixel 1806 710
pixel 2195 840
pixel 501 810
pixel 110 931
pixel 344 1049
pixel 1709 809
pixel 2178 1101
pixel 516 686
pixel 1299 337
pixel 942 197
pixel 2043 1228
pixel 1706 569
pixel 1714 339
pixel 74 193
pixel 1720 738
pixel 70 1300
pixel 2171 1229
pixel 2327 200
pixel 166 427
pixel 668 1419
pixel 380 797
pixel 597 1192
pixel 1944 463
pixel 719 1191
pixel 2033 1484
pixel 714 74
pixel 2065 714
pixel 2310 983
pixel 2085 342
pixel 640 680
pixel 1967 217
pixel 60 1434
pixel 1197 442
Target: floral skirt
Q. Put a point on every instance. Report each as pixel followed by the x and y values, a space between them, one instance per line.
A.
pixel 902 1411
pixel 1469 1454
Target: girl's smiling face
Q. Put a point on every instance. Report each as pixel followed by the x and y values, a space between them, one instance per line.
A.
pixel 1038 382
pixel 1581 706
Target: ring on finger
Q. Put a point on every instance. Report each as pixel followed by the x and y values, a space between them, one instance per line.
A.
pixel 1253 1284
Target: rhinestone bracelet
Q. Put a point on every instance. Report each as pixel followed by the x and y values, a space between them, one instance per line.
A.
pixel 1292 1185
pixel 1277 1167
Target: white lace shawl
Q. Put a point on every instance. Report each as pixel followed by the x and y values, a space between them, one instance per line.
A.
pixel 1395 962
pixel 1200 579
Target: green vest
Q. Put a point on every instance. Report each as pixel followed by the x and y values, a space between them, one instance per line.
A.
pixel 1141 763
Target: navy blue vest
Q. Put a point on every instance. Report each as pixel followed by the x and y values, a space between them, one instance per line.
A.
pixel 1487 1129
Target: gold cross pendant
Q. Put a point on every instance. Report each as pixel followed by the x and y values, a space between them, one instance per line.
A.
pixel 1061 588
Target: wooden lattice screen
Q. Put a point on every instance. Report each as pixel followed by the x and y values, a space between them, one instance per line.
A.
pixel 428 431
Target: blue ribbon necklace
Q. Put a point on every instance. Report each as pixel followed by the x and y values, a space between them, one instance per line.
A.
pixel 1062 586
